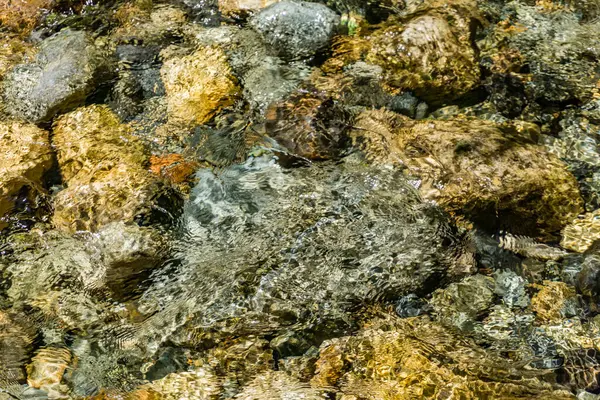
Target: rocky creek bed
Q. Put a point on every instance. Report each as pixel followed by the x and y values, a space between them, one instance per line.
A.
pixel 281 200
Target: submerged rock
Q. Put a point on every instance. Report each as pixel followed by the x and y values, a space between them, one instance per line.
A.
pixel 87 272
pixel 309 123
pixel 403 359
pixel 46 370
pixel 104 169
pixel 462 303
pixel 582 232
pixel 25 157
pixel 264 77
pixel 198 86
pixel 16 344
pixel 279 385
pixel 428 51
pixel 393 245
pixel 65 70
pixel 553 53
pixel 554 301
pixel 494 174
pixel 296 29
pixel 141 22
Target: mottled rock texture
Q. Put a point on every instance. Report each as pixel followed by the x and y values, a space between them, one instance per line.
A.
pixel 104 169
pixel 25 157
pixel 490 173
pixel 64 71
pixel 427 50
pixel 198 85
pixel 296 29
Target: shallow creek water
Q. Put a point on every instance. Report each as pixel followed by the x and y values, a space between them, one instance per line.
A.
pixel 262 199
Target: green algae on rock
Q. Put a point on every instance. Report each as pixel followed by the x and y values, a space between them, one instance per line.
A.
pixel 198 85
pixel 25 157
pixel 104 168
pixel 63 73
pixel 490 173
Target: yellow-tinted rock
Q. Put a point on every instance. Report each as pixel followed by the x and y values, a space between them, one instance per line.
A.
pixel 91 139
pixel 275 385
pixel 417 359
pixel 580 234
pixel 104 169
pixel 25 156
pixel 198 384
pixel 21 15
pixel 141 21
pixel 16 342
pixel 47 368
pixel 428 51
pixel 553 300
pixel 478 169
pixel 119 194
pixel 198 85
pixel 241 6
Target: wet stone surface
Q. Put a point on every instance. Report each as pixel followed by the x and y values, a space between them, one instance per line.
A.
pixel 328 199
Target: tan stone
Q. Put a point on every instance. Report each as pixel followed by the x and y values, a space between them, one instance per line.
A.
pixel 241 6
pixel 46 369
pixel 552 300
pixel 92 138
pixel 118 194
pixel 198 85
pixel 417 359
pixel 25 156
pixel 477 169
pixel 582 232
pixel 104 169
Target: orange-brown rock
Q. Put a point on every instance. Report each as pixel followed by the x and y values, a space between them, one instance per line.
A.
pixel 173 167
pixel 20 16
pixel 47 367
pixel 490 173
pixel 309 123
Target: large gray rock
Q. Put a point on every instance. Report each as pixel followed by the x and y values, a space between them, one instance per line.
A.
pixel 296 29
pixel 59 79
pixel 270 248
